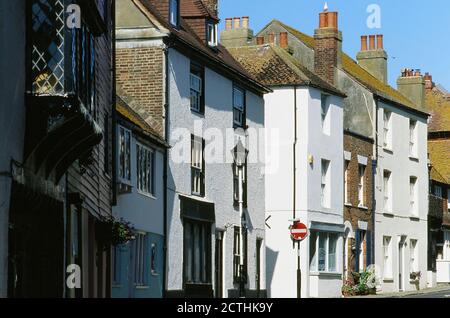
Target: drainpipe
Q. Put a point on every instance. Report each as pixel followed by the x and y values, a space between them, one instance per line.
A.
pixel 374 172
pixel 294 198
pixel 166 162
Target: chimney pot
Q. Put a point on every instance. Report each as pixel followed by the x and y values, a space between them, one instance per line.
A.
pixel 284 40
pixel 333 20
pixel 323 20
pixel 228 23
pixel 371 42
pixel 364 43
pixel 237 23
pixel 260 40
pixel 380 45
pixel 245 22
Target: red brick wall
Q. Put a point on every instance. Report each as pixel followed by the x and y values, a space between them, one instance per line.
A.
pixel 140 77
pixel 325 57
pixel 163 7
pixel 353 213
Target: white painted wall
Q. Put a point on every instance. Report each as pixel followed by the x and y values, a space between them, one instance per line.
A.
pixel 281 257
pixel 400 223
pixel 12 113
pixel 219 177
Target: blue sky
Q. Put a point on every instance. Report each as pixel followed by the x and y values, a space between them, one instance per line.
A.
pixel 416 32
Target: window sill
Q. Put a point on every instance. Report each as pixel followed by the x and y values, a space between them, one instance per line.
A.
pixel 413 158
pixel 388 280
pixel 362 207
pixel 326 274
pixel 388 150
pixel 148 195
pixel 414 218
pixel 389 214
pixel 198 113
pixel 154 274
pixel 349 205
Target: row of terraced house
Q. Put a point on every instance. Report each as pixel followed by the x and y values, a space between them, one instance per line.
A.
pixel 144 157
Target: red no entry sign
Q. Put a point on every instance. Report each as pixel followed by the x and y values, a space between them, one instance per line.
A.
pixel 299 231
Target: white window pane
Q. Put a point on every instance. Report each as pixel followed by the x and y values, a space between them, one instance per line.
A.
pixel 332 256
pixel 322 252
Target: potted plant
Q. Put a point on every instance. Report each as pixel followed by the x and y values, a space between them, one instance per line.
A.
pixel 114 232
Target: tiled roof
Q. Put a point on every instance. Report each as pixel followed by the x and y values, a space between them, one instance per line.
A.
pixel 352 68
pixel 440 159
pixel 129 114
pixel 218 54
pixel 438 105
pixel 273 66
pixel 195 8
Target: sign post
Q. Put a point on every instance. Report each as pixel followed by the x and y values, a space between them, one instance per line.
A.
pixel 299 232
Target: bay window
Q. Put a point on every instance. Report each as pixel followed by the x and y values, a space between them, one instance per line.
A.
pixel 323 252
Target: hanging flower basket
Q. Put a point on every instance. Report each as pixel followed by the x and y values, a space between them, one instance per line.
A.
pixel 114 232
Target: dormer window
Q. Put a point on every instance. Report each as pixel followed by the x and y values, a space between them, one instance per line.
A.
pixel 174 12
pixel 211 33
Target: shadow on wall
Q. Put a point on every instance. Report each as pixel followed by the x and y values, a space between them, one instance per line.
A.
pixel 271 260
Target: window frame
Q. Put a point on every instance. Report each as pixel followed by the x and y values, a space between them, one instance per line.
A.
pixel 346 182
pixel 413 197
pixel 205 243
pixel 237 250
pixel 413 256
pixel 175 23
pixel 150 191
pixel 198 170
pixel 212 29
pixel 413 138
pixel 325 184
pixel 197 72
pixel 387 193
pixel 125 172
pixel 387 258
pixel 387 129
pixel 362 185
pixel 140 257
pixel 325 113
pixel 236 108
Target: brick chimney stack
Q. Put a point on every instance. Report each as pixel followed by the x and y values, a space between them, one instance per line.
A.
pixel 373 58
pixel 429 84
pixel 411 84
pixel 237 32
pixel 328 46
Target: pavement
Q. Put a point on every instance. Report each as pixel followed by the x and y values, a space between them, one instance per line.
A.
pixel 437 292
